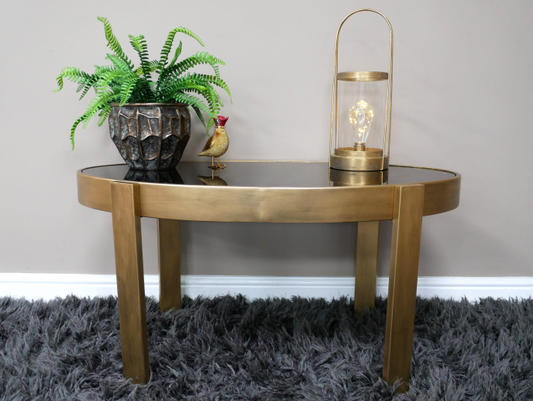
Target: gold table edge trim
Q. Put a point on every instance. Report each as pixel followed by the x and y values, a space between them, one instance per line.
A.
pixel 441 196
pixel 457 175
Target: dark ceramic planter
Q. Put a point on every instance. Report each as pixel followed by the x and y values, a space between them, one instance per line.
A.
pixel 161 176
pixel 150 136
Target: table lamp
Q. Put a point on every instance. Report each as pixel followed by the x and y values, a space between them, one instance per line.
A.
pixel 361 114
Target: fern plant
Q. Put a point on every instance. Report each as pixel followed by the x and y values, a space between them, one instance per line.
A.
pixel 121 82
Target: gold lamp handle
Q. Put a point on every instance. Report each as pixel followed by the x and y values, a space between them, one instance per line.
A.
pixel 388 109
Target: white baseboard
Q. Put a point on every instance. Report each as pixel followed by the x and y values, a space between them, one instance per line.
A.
pixel 49 286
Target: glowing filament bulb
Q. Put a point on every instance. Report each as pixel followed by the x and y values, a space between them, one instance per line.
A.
pixel 361 116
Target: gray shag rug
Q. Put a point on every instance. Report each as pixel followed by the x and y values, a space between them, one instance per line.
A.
pixel 229 348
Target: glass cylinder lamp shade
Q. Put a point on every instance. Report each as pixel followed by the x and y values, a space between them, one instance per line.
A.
pixel 360 116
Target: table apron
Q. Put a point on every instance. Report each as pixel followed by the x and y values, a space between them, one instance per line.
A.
pixel 274 205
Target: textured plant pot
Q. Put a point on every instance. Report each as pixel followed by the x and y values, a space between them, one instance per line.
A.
pixel 161 176
pixel 150 136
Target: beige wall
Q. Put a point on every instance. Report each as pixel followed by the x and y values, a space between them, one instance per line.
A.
pixel 462 101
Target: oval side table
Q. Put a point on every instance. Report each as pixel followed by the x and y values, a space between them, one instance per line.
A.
pixel 269 192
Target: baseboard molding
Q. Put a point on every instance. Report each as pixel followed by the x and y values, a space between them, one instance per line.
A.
pixel 49 286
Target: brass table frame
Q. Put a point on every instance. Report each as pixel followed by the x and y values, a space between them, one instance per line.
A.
pixel 404 204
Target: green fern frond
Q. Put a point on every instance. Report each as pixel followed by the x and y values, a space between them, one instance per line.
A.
pixel 170 40
pixel 86 87
pixel 95 106
pixel 104 113
pixel 99 102
pixel 201 86
pixel 72 74
pixel 180 86
pixel 143 93
pixel 80 87
pixel 198 106
pixel 212 98
pixel 190 62
pixel 126 90
pixel 207 91
pixel 102 69
pixel 112 42
pixel 154 66
pixel 211 59
pixel 74 126
pixel 176 54
pixel 106 78
pixel 112 78
pixel 140 45
pixel 199 114
pixel 210 79
pixel 209 125
pixel 191 100
pixel 118 63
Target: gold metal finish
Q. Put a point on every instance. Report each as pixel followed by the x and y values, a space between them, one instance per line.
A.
pixel 404 204
pixel 366 265
pixel 352 159
pixel 168 236
pixel 149 104
pixel 355 152
pixel 249 204
pixel 403 277
pixel 216 166
pixel 362 76
pixel 280 205
pixel 214 180
pixel 216 146
pixel 359 163
pixel 341 178
pixel 441 195
pixel 126 207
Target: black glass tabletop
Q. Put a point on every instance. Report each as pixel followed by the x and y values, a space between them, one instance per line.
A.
pixel 270 174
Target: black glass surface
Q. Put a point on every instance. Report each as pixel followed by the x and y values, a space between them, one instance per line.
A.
pixel 260 174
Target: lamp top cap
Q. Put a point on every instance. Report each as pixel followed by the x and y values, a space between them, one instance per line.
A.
pixel 363 76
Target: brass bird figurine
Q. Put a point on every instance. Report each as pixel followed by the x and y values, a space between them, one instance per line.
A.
pixel 217 144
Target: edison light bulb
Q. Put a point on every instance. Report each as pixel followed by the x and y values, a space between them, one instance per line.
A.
pixel 361 116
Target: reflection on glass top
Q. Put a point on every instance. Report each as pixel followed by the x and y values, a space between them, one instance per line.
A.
pixel 269 174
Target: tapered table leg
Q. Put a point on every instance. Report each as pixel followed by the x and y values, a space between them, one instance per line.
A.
pixel 401 303
pixel 130 280
pixel 168 232
pixel 366 263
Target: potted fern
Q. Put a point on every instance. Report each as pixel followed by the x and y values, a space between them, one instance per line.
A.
pixel 149 119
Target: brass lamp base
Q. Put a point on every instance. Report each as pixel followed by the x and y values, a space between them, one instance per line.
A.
pixel 349 159
pixel 341 178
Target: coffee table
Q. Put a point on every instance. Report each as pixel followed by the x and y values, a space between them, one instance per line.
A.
pixel 269 192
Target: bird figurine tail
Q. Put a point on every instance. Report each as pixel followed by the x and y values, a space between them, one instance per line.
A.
pixel 217 144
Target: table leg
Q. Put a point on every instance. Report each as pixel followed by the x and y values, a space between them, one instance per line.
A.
pixel 130 280
pixel 403 277
pixel 168 232
pixel 366 262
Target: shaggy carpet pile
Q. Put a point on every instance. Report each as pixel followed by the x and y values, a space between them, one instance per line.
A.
pixel 229 348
